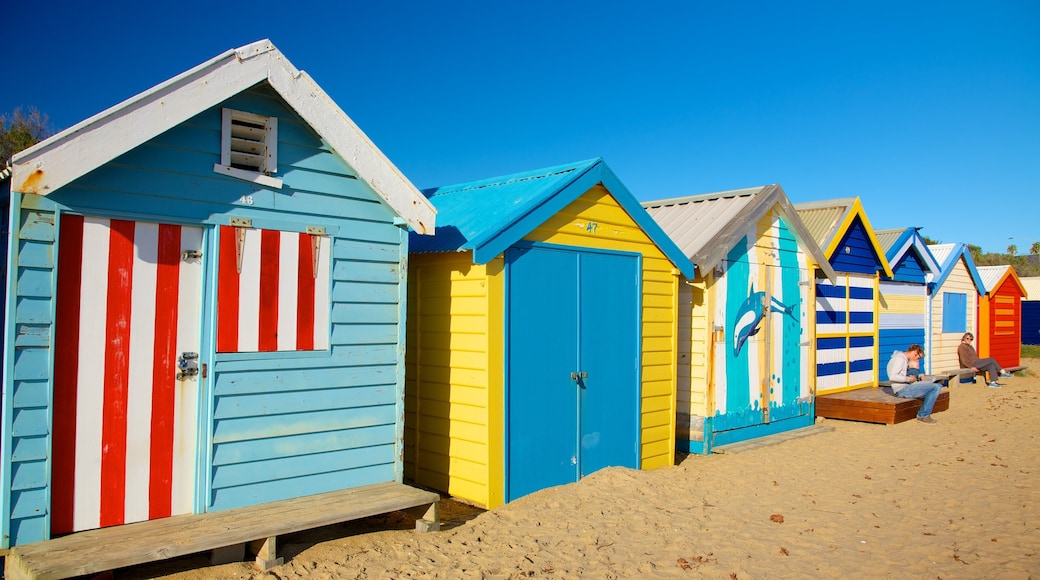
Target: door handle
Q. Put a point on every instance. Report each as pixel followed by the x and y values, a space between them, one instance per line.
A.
pixel 187 365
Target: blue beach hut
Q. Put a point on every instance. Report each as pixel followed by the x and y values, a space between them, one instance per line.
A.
pixel 903 304
pixel 206 307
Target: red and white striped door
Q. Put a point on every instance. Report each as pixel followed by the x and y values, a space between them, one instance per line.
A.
pixel 128 307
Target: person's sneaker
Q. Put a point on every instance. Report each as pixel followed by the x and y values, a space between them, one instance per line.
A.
pixel 1005 375
pixel 927 420
pixel 993 385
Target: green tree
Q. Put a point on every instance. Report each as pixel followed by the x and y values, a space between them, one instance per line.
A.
pixel 20 131
pixel 976 253
pixel 1034 250
pixel 1012 250
pixel 930 241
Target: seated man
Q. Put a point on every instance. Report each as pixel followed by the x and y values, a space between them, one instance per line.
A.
pixel 969 359
pixel 909 386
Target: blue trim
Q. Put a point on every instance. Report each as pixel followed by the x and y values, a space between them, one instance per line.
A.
pixel 469 222
pixel 961 250
pixel 762 430
pixel 14 210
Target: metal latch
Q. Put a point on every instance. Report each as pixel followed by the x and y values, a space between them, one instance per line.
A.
pixel 187 365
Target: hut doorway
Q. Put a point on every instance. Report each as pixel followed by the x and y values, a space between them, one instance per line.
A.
pixel 126 371
pixel 573 388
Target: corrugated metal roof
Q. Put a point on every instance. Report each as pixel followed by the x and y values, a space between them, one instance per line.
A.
pixel 695 221
pixel 706 227
pixel 1032 286
pixel 489 215
pixel 948 256
pixel 942 252
pixel 468 212
pixel 991 275
pixel 822 218
pixel 888 237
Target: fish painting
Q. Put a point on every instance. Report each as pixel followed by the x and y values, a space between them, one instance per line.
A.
pixel 750 315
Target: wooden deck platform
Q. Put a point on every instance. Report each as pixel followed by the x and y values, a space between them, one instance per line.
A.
pixel 874 405
pixel 225 532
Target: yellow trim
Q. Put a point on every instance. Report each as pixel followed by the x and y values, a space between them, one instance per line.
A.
pixel 982 337
pixel 850 215
pixel 877 315
pixel 496 382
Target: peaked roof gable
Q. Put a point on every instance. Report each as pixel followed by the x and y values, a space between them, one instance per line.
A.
pixel 948 255
pixel 898 243
pixel 994 277
pixel 489 215
pixel 707 226
pixel 830 220
pixel 72 153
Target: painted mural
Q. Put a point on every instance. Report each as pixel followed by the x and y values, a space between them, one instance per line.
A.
pixel 761 353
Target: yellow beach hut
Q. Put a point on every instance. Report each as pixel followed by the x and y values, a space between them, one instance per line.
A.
pixel 541 341
pixel 746 319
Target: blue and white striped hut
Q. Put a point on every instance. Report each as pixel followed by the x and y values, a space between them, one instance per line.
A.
pixel 846 310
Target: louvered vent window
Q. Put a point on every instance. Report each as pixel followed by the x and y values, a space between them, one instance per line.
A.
pixel 249 147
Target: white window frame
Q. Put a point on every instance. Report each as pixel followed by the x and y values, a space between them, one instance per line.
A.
pixel 269 162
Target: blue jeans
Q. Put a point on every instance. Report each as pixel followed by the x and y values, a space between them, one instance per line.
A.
pixel 930 392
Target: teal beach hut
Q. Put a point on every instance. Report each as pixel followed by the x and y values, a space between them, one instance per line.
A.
pixel 206 304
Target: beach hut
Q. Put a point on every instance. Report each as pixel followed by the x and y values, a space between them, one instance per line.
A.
pixel 903 302
pixel 846 342
pixel 1000 315
pixel 745 319
pixel 953 304
pixel 541 335
pixel 206 306
pixel 1031 310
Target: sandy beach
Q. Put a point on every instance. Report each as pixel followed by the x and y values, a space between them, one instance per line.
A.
pixel 959 499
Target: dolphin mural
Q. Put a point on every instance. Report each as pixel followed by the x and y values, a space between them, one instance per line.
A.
pixel 750 315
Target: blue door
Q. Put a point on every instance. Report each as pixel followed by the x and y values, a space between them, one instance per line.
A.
pixel 572 356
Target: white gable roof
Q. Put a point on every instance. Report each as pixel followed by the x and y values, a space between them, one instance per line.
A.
pixel 56 161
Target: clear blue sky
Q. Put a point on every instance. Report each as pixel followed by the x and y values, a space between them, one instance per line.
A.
pixel 928 111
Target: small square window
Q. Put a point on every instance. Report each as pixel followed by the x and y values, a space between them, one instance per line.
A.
pixel 249 147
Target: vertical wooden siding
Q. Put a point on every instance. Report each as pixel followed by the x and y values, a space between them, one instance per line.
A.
pixel 453 409
pixel 941 350
pixel 595 220
pixel 694 354
pixel 276 425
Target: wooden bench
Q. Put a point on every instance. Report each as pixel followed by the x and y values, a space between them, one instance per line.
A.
pixel 874 405
pixel 226 532
pixel 967 375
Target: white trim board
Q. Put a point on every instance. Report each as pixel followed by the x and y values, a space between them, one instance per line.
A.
pixel 57 161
